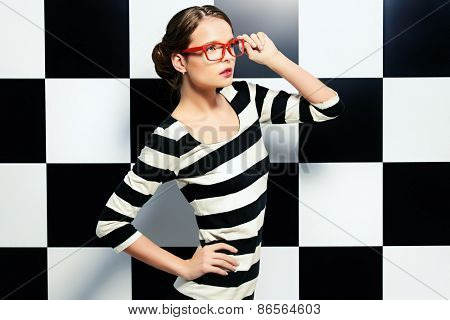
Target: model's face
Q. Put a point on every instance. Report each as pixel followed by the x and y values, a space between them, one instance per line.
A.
pixel 200 70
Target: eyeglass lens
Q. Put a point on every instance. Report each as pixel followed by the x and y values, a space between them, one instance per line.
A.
pixel 214 51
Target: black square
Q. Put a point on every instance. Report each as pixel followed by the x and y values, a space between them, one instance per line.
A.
pixel 87 39
pixel 415 204
pixel 151 101
pixel 414 34
pixel 341 273
pixel 356 135
pixel 23 274
pixel 22 122
pixel 76 194
pixel 282 210
pixel 150 283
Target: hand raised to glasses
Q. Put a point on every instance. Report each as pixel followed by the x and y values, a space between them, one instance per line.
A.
pixel 259 47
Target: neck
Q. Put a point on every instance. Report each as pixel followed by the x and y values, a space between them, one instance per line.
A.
pixel 195 100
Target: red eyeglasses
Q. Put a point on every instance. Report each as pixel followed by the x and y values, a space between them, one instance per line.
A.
pixel 216 51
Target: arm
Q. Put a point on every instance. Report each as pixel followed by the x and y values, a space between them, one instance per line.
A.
pixel 281 107
pixel 314 101
pixel 311 88
pixel 153 167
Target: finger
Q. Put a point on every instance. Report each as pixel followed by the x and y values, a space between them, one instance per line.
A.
pixel 223 245
pixel 249 40
pixel 223 264
pixel 248 48
pixel 256 41
pixel 262 37
pixel 217 270
pixel 226 257
pixel 241 37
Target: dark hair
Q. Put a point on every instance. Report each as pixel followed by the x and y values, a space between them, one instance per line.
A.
pixel 177 37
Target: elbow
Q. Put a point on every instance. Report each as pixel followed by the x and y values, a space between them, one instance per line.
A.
pixel 334 106
pixel 104 227
pixel 327 104
pixel 99 230
pixel 339 108
pixel 329 109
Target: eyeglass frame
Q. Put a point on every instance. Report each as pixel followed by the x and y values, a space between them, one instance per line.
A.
pixel 224 46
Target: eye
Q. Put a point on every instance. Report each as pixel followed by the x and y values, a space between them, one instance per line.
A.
pixel 213 47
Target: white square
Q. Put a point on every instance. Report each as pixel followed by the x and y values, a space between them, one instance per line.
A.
pixel 416 117
pixel 22 39
pixel 279 274
pixel 416 272
pixel 23 205
pixel 144 16
pixel 88 274
pixel 341 38
pixel 341 204
pixel 88 120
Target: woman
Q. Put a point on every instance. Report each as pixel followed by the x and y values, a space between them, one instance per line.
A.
pixel 221 172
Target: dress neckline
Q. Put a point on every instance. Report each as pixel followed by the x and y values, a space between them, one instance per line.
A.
pixel 232 105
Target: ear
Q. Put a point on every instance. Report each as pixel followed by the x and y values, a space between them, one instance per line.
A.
pixel 179 62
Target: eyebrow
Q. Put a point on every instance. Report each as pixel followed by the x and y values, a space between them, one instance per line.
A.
pixel 217 41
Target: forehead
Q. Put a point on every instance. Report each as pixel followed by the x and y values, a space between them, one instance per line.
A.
pixel 210 29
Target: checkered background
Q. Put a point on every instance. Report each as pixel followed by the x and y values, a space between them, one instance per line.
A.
pixel 357 207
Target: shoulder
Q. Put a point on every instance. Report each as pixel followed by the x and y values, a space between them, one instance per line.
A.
pixel 238 90
pixel 169 128
pixel 164 136
pixel 235 87
pixel 246 88
pixel 241 85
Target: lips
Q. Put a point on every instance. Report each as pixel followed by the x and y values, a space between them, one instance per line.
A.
pixel 226 70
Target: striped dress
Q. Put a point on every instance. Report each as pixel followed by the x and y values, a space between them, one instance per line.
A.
pixel 225 182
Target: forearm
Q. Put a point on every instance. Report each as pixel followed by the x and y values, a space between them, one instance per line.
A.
pixel 150 253
pixel 314 90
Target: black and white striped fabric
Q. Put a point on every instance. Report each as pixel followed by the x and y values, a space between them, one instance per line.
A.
pixel 225 182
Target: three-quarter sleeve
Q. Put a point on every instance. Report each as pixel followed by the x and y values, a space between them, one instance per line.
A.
pixel 281 107
pixel 156 164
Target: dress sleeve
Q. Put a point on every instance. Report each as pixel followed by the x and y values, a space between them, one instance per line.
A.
pixel 156 164
pixel 281 107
